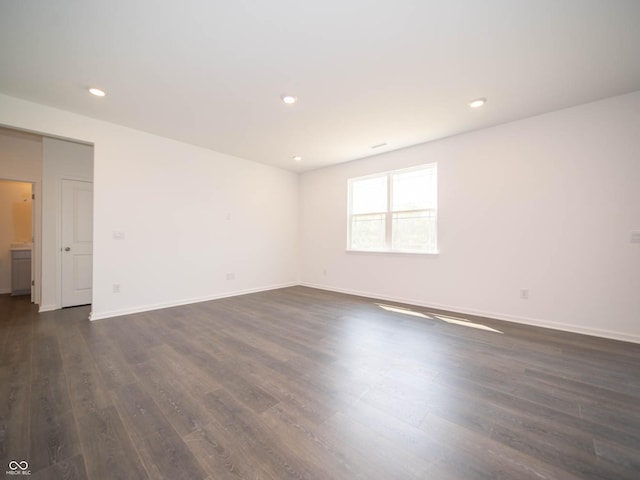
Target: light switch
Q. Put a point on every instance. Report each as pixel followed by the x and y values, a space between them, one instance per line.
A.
pixel 118 235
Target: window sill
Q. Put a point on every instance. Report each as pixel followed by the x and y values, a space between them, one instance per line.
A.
pixel 391 252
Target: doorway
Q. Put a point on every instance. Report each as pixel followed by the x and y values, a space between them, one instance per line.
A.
pixel 16 238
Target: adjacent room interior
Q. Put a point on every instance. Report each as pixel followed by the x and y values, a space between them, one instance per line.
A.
pixel 333 241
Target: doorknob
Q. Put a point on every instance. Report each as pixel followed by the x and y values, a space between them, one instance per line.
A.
pixel 67 249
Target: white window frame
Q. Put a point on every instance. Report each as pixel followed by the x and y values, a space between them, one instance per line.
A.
pixel 389 212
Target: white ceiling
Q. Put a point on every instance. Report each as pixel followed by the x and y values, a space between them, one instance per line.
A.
pixel 211 72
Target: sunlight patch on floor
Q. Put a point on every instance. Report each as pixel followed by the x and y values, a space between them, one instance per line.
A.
pixel 433 316
pixel 406 311
pixel 466 323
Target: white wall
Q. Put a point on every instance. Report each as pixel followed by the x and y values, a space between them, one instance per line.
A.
pixel 21 159
pixel 547 203
pixel 189 215
pixel 60 160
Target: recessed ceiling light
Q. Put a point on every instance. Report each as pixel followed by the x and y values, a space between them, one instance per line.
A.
pixel 297 158
pixel 478 102
pixel 289 99
pixel 97 92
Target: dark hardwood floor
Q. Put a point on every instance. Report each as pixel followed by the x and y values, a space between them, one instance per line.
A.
pixel 306 384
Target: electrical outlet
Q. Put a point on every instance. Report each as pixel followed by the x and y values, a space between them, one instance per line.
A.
pixel 116 288
pixel 635 237
pixel 231 276
pixel 324 272
pixel 524 293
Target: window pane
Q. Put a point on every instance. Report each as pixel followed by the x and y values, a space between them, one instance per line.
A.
pixel 367 232
pixel 414 190
pixel 369 196
pixel 414 231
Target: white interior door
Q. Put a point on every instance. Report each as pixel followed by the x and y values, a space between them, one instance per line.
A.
pixel 77 242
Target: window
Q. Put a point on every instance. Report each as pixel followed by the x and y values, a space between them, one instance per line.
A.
pixel 394 211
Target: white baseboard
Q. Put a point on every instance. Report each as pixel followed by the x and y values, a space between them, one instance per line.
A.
pixel 566 327
pixel 186 301
pixel 47 308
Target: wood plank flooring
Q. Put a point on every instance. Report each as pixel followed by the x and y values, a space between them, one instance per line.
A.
pixel 300 383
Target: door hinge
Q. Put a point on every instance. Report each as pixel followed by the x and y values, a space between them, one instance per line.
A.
pixel 33 196
pixel 33 283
